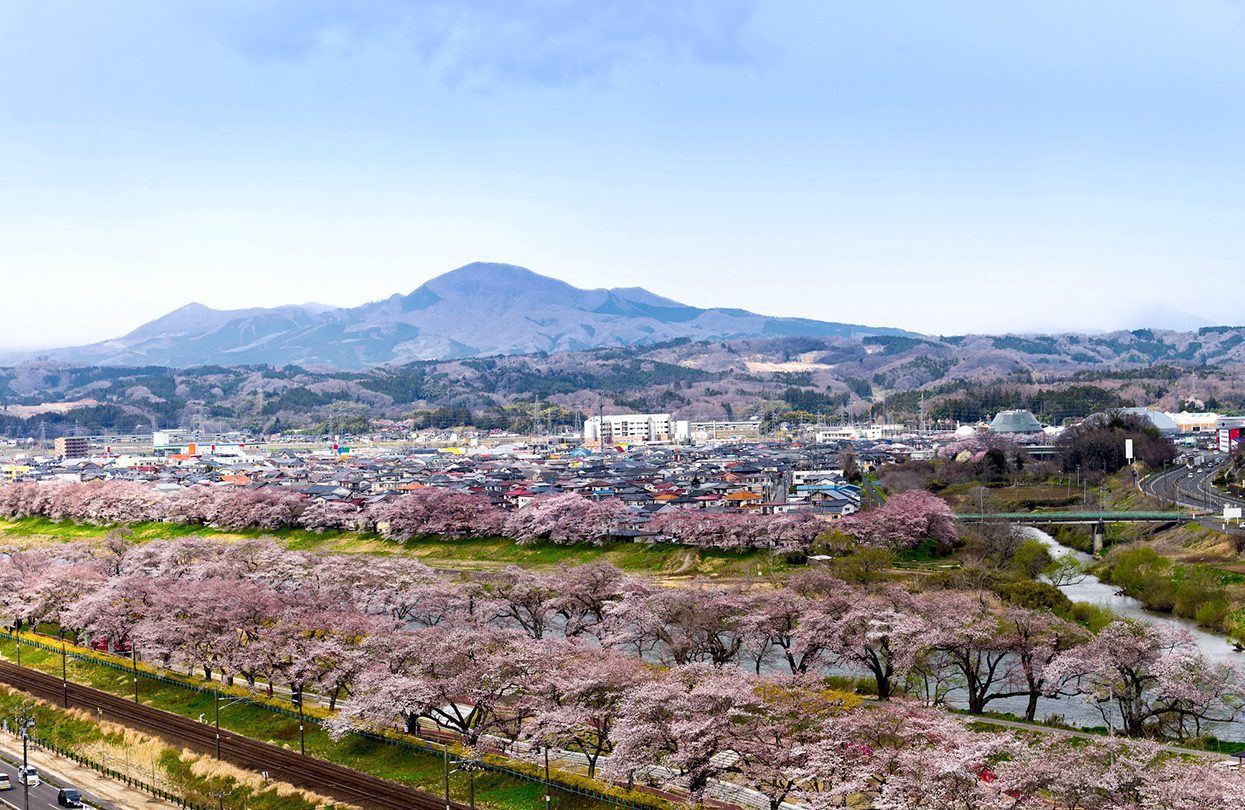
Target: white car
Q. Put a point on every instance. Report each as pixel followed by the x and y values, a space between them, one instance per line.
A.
pixel 28 775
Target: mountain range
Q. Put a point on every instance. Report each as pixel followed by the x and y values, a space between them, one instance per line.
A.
pixel 481 309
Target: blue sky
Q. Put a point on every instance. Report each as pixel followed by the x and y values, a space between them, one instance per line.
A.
pixel 939 166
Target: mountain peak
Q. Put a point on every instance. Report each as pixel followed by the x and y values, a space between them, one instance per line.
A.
pixel 495 277
pixel 481 308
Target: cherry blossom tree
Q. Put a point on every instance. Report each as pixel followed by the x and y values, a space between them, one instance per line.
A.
pixel 259 508
pixel 462 677
pixel 113 609
pixel 1037 638
pixel 576 703
pixel 330 516
pixel 584 594
pixel 776 733
pixel 439 512
pixel 880 633
pixel 682 625
pixel 567 518
pixel 904 521
pixel 518 596
pixel 1151 678
pixel 681 721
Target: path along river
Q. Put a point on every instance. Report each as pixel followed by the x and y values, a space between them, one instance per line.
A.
pixel 1090 589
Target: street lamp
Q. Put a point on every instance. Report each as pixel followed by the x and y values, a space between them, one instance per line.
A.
pixel 25 724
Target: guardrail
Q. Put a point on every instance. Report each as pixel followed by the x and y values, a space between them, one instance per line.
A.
pixel 1077 517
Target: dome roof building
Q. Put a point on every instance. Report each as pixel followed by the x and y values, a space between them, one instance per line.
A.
pixel 1015 422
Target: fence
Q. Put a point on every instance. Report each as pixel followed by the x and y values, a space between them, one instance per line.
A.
pixel 417 745
pixel 118 776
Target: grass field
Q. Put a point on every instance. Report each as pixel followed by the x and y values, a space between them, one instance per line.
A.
pixel 475 554
pixel 370 756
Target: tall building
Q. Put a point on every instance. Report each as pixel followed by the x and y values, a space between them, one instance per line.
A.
pixel 633 428
pixel 73 447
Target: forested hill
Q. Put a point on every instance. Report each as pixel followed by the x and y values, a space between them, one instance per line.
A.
pixel 960 378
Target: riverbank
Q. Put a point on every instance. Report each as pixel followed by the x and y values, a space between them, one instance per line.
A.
pixel 1092 590
pixel 468 554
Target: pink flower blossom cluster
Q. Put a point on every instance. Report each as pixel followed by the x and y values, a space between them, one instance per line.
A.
pixel 904 521
pixel 428 512
pixel 658 684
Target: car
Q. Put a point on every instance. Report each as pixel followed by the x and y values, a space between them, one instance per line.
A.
pixel 28 775
pixel 69 797
pixel 5 784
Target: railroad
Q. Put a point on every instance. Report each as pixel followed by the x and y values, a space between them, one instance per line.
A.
pixel 325 778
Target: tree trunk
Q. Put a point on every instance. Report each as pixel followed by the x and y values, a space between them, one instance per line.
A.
pixel 884 684
pixel 1031 706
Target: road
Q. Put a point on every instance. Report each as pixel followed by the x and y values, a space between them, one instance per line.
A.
pixel 42 796
pixel 1191 488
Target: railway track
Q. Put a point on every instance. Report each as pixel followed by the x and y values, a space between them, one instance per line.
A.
pixel 324 778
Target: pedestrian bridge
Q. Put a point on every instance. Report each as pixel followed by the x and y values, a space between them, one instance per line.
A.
pixel 1053 518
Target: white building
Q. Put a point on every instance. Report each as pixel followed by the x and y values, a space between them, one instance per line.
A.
pixel 725 430
pixel 634 428
pixel 825 435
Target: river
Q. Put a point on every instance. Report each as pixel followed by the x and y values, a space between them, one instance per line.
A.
pixel 1096 592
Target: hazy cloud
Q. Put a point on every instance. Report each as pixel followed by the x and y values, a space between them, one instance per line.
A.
pixel 490 42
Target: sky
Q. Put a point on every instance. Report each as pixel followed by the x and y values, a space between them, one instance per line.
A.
pixel 940 166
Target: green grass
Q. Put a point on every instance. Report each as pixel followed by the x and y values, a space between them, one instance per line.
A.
pixel 73 731
pixel 417 769
pixel 468 554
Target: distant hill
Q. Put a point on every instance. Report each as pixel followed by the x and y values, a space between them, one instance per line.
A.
pixel 952 379
pixel 481 309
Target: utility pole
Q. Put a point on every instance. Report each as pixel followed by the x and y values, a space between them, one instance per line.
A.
pixel 446 748
pixel 134 664
pixel 302 740
pixel 64 671
pixel 216 707
pixel 548 798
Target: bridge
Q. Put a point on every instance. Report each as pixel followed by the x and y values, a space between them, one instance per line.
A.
pixel 1054 518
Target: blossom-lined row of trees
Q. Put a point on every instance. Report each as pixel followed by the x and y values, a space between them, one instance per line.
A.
pixel 656 684
pixel 560 518
pixel 255 611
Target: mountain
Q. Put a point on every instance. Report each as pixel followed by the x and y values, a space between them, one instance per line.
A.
pixel 481 309
pixel 962 378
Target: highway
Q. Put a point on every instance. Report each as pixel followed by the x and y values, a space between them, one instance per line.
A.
pixel 42 796
pixel 1191 488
